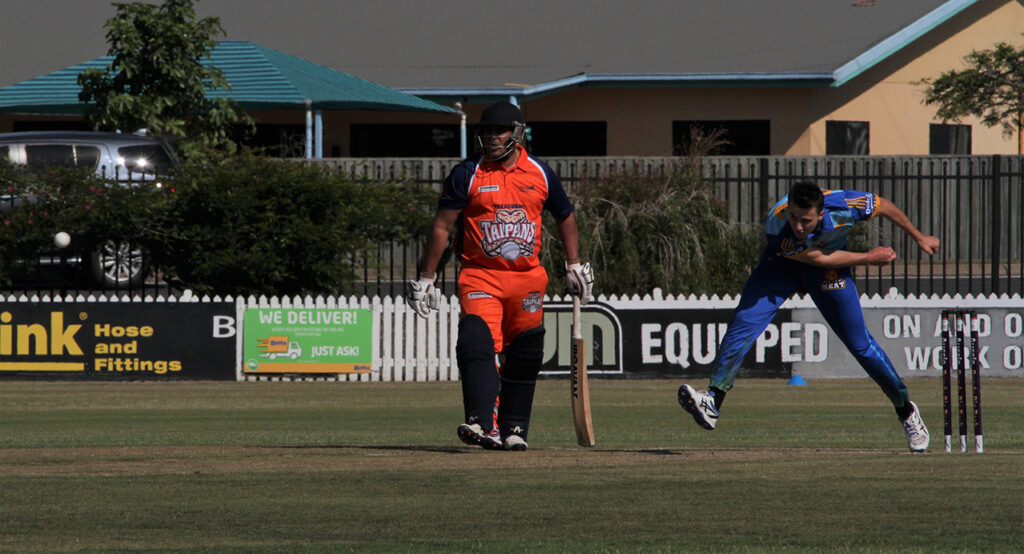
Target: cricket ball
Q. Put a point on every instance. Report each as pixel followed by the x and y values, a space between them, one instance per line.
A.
pixel 61 239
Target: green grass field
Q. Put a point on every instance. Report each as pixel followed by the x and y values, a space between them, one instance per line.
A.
pixel 327 467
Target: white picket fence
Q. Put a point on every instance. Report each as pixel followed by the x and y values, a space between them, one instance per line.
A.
pixel 407 347
pixel 412 348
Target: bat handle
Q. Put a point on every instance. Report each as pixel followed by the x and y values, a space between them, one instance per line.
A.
pixel 577 331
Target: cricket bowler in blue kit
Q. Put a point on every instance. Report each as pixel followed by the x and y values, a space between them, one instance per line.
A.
pixel 806 234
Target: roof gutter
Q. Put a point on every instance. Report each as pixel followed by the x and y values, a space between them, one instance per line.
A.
pixel 629 79
pixel 839 77
pixel 894 43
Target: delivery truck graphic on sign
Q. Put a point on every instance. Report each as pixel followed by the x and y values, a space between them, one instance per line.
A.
pixel 279 346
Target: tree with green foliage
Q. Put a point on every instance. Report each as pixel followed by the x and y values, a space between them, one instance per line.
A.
pixel 156 80
pixel 990 88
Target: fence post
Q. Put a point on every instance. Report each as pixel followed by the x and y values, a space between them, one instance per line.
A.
pixel 762 181
pixel 995 217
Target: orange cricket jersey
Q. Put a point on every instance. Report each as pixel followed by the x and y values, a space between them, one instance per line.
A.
pixel 500 227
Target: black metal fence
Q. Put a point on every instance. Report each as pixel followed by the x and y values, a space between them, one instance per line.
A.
pixel 974 204
pixel 91 273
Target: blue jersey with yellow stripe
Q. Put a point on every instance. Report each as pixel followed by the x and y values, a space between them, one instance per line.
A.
pixel 843 208
pixel 779 275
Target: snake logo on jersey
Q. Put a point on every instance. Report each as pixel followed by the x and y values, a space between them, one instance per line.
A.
pixel 510 234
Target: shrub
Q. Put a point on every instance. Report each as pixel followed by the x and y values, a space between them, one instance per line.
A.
pixel 246 225
pixel 91 209
pixel 668 231
pixel 251 225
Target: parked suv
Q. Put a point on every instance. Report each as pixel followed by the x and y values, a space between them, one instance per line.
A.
pixel 127 158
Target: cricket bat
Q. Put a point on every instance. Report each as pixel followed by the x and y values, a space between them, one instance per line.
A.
pixel 578 378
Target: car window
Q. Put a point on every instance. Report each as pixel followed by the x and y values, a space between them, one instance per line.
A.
pixel 5 152
pixel 49 155
pixel 87 156
pixel 66 155
pixel 145 158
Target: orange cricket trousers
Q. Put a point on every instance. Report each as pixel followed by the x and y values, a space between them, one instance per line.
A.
pixel 510 302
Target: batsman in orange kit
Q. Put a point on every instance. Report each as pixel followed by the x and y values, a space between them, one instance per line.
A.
pixel 493 204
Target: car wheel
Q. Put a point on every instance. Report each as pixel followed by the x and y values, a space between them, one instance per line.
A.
pixel 118 265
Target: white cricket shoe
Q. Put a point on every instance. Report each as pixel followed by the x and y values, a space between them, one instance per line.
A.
pixel 701 406
pixel 473 435
pixel 917 433
pixel 515 442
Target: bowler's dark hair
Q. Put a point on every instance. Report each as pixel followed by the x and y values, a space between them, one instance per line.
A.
pixel 805 195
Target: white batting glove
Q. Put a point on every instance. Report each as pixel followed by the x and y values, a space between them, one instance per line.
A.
pixel 423 296
pixel 579 281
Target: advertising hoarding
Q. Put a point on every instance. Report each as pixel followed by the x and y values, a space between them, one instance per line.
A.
pixel 299 340
pixel 115 340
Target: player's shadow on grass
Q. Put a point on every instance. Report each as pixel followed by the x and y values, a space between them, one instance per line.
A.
pixel 659 451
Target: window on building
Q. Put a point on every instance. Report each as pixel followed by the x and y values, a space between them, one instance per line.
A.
pixel 739 137
pixel 545 138
pixel 949 139
pixel 568 138
pixel 847 138
pixel 401 140
pixel 276 140
pixel 59 125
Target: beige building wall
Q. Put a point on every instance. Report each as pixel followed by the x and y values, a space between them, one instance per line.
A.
pixel 889 96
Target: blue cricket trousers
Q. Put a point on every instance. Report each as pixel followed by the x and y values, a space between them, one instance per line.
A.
pixel 774 281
